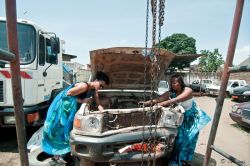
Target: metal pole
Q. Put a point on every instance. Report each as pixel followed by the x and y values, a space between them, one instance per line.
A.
pixel 11 20
pixel 225 77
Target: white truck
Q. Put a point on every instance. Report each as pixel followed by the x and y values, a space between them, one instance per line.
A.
pixel 231 85
pixel 41 73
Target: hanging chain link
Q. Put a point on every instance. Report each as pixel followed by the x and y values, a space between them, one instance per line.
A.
pixel 145 82
pixel 158 68
pixel 161 13
pixel 154 14
pixel 152 83
pixel 155 68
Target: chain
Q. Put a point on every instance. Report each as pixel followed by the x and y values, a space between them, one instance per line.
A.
pixel 161 13
pixel 155 68
pixel 152 81
pixel 145 79
pixel 154 13
pixel 161 19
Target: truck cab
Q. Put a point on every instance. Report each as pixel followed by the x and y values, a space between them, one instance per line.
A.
pixel 40 71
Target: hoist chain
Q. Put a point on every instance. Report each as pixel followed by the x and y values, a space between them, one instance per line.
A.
pixel 161 13
pixel 152 81
pixel 154 14
pixel 158 59
pixel 155 68
pixel 145 82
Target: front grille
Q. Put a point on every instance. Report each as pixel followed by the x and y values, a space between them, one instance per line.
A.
pixel 1 91
pixel 133 119
pixel 246 114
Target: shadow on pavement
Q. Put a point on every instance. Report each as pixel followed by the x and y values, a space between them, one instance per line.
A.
pixel 8 139
pixel 199 158
pixel 236 125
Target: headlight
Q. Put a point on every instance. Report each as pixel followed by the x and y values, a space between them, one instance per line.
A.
pixel 238 111
pixel 90 123
pixel 9 120
pixel 234 108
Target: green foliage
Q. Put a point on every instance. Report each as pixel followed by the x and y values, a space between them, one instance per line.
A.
pixel 180 44
pixel 210 61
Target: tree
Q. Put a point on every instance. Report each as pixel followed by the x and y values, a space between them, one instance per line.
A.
pixel 210 61
pixel 179 43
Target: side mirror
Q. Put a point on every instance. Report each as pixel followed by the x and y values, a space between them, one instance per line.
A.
pixel 55 45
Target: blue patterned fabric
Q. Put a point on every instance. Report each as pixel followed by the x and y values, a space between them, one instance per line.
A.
pixel 58 124
pixel 194 120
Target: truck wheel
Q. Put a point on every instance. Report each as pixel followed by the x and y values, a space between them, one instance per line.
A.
pixel 85 162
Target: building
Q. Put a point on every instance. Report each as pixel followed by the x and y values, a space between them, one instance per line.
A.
pixel 242 75
pixel 68 57
pixel 81 72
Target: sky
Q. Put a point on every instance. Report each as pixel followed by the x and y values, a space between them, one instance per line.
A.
pixel 96 24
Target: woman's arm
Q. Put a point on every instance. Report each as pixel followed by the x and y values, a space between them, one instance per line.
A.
pixel 161 98
pixel 97 100
pixel 185 95
pixel 78 89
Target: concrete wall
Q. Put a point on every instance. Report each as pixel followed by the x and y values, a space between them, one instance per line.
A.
pixel 241 76
pixel 215 77
pixel 190 77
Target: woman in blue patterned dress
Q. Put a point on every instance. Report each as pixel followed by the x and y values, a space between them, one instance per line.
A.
pixel 194 120
pixel 60 116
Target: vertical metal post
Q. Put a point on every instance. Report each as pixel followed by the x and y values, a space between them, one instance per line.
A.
pixel 11 20
pixel 225 77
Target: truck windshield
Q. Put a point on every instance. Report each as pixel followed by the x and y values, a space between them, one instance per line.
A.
pixel 26 41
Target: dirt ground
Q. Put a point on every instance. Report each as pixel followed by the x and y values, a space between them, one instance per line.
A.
pixel 230 137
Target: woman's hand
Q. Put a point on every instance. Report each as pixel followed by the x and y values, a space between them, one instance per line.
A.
pixel 164 103
pixel 144 103
pixel 100 108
